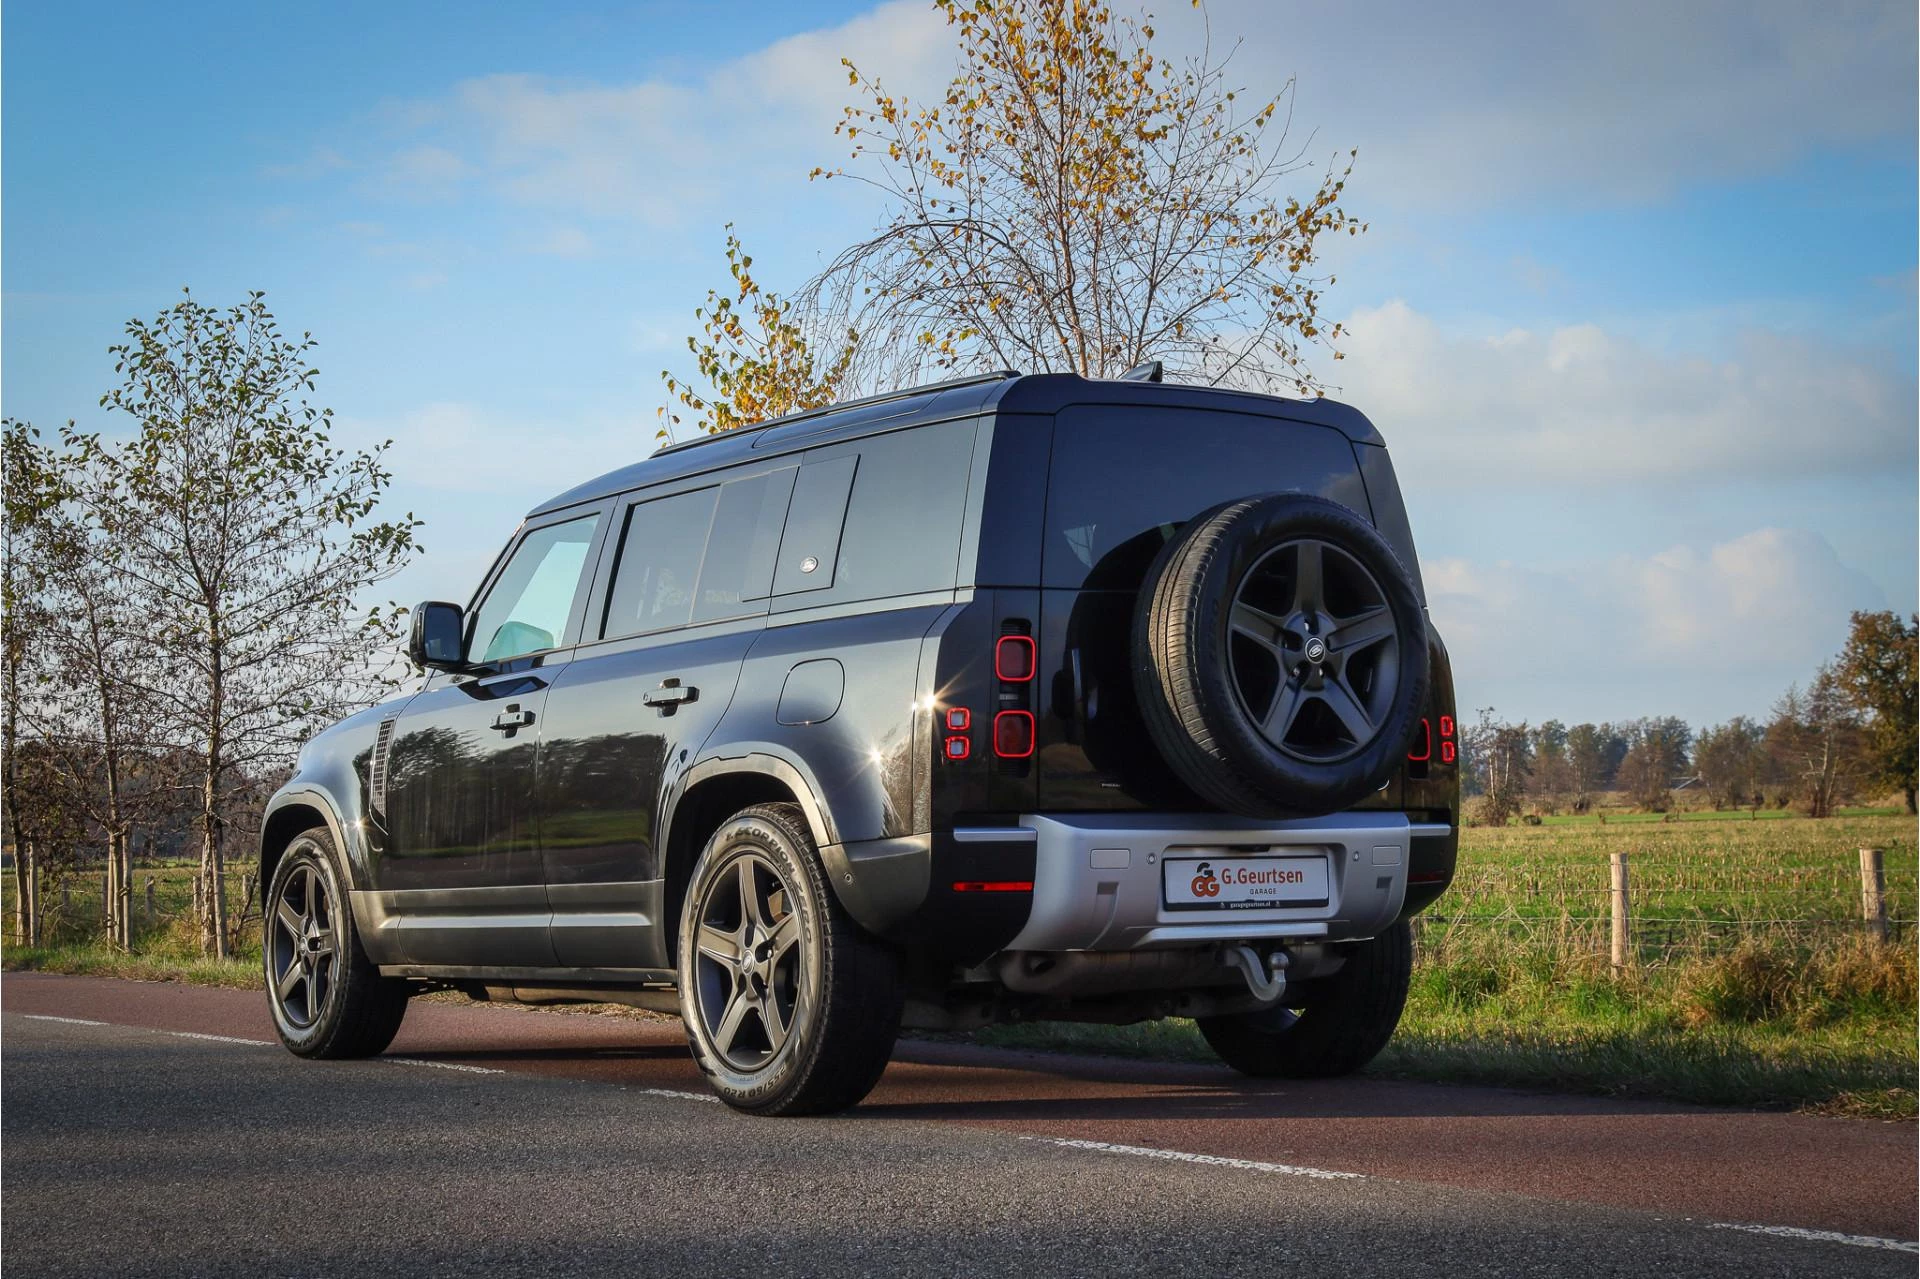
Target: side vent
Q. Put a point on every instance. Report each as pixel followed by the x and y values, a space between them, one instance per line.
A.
pixel 377 770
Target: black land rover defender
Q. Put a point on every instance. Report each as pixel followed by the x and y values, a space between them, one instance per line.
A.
pixel 1008 698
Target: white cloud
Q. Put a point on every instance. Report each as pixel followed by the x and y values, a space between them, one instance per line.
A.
pixel 1583 406
pixel 1703 633
pixel 656 150
pixel 1628 99
pixel 455 448
pixel 565 242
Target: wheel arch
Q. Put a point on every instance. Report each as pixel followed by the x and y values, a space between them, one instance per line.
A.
pixel 289 813
pixel 711 792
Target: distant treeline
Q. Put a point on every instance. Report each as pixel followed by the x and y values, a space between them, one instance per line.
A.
pixel 1848 734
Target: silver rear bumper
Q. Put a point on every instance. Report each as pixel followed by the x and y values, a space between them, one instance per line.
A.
pixel 1097 882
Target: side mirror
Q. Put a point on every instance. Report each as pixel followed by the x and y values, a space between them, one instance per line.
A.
pixel 438 631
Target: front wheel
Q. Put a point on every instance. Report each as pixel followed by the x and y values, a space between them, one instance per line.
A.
pixel 1353 1015
pixel 790 1008
pixel 327 998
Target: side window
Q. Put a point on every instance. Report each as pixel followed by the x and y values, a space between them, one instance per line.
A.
pixel 698 557
pixel 811 544
pixel 897 532
pixel 653 582
pixel 527 609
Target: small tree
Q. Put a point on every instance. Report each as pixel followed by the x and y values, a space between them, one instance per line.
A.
pixel 1075 202
pixel 1880 670
pixel 247 538
pixel 1726 757
pixel 30 496
pixel 1552 772
pixel 755 357
pixel 1814 738
pixel 1586 757
pixel 1655 759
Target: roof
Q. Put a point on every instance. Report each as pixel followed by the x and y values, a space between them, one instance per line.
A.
pixel 1004 392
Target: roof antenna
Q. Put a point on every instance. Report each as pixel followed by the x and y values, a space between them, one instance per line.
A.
pixel 1151 371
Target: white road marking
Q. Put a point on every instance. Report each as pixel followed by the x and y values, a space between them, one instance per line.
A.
pixel 1188 1157
pixel 1070 1143
pixel 681 1096
pixel 218 1039
pixel 70 1021
pixel 440 1065
pixel 1822 1236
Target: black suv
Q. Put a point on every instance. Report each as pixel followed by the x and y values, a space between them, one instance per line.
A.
pixel 1002 699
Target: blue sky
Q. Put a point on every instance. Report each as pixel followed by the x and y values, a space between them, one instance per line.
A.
pixel 1637 311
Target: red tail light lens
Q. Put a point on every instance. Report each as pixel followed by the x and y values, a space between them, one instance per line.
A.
pixel 1013 658
pixel 1446 726
pixel 958 748
pixel 1422 744
pixel 959 719
pixel 1013 734
pixel 1447 752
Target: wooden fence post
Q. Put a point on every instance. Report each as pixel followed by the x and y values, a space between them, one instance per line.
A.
pixel 1873 891
pixel 1621 920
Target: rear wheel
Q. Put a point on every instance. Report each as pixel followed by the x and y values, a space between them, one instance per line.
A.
pixel 790 1008
pixel 327 998
pixel 1354 1014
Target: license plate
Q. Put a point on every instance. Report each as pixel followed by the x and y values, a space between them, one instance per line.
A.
pixel 1244 883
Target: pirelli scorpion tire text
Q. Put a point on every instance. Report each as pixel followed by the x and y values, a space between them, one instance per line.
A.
pixel 790 1008
pixel 327 998
pixel 1280 656
pixel 1352 1016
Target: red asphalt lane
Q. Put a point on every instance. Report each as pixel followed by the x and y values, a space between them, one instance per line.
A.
pixel 1849 1175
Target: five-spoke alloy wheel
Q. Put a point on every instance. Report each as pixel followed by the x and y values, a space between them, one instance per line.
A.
pixel 1281 656
pixel 790 1008
pixel 327 999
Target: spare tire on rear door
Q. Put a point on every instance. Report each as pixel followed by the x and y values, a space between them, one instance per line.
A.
pixel 1280 656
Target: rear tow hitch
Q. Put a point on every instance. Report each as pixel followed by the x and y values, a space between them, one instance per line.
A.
pixel 1267 980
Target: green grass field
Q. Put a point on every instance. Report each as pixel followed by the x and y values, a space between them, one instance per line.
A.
pixel 1753 981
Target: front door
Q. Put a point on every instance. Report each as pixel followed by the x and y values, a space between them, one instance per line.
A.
pixel 460 879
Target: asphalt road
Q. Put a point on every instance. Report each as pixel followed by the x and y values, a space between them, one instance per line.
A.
pixel 156 1129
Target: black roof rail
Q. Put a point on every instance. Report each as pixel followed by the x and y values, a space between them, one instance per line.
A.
pixel 975 379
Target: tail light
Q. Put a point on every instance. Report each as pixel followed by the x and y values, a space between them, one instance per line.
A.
pixel 1013 734
pixel 1013 659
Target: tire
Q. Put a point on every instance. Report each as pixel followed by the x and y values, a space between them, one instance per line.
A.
pixel 358 1011
pixel 1352 1018
pixel 1224 637
pixel 790 1008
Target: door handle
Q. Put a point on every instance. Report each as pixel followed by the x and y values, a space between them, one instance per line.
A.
pixel 512 719
pixel 670 695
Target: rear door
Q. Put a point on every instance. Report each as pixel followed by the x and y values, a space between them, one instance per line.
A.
pixel 691 570
pixel 1123 480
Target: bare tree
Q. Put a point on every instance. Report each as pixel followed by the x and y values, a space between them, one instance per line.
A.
pixel 247 538
pixel 1076 202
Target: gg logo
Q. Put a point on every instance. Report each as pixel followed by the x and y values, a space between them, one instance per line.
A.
pixel 1204 884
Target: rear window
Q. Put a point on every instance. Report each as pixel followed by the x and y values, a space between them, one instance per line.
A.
pixel 1124 480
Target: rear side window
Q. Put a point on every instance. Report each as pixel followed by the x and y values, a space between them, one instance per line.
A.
pixel 902 516
pixel 1124 479
pixel 698 557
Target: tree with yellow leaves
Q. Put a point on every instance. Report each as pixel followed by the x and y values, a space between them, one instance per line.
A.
pixel 756 357
pixel 1075 202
